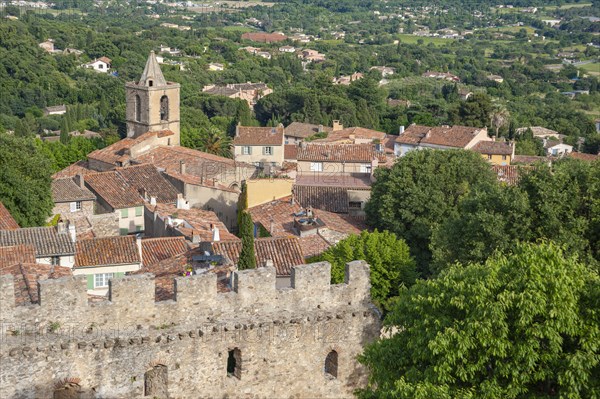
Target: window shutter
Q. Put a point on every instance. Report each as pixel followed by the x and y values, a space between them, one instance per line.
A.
pixel 119 275
pixel 73 206
pixel 138 211
pixel 124 213
pixel 123 232
pixel 90 281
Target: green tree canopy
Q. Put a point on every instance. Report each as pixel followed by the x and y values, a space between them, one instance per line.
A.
pixel 24 181
pixel 247 259
pixel 524 325
pixel 421 190
pixel 389 259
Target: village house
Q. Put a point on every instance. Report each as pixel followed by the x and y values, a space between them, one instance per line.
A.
pixel 440 137
pixel 338 159
pixel 495 78
pixel 250 49
pixel 261 146
pixel 385 71
pixel 317 230
pixel 54 245
pixel 102 259
pixel 102 64
pixel 55 110
pixel 287 49
pixel 251 92
pixel 72 200
pixel 310 55
pixel 215 66
pixel 296 132
pixel 541 132
pixel 556 148
pixel 207 194
pixel 180 220
pixel 346 80
pixel 47 45
pixel 496 152
pixel 353 135
pixel 441 75
pixel 336 193
pixel 283 253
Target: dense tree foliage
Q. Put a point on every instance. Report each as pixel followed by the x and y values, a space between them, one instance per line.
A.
pixel 24 181
pixel 389 259
pixel 522 325
pixel 420 191
pixel 561 203
pixel 247 258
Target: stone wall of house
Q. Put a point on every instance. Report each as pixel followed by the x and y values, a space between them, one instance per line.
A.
pixel 256 341
pixel 64 210
pixel 105 224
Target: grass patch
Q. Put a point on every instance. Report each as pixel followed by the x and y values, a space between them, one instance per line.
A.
pixel 412 39
pixel 593 68
pixel 242 29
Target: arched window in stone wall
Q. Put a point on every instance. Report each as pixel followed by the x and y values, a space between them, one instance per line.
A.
pixel 138 108
pixel 164 108
pixel 331 364
pixel 156 382
pixel 234 363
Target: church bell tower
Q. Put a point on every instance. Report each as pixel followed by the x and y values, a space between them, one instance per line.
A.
pixel 152 103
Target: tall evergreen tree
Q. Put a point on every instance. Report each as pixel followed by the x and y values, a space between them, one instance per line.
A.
pixel 247 258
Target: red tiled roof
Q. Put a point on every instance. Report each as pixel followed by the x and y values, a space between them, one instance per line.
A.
pixel 246 135
pixel 508 174
pixel 16 254
pixel 200 181
pixel 304 130
pixel 455 136
pixel 7 222
pixel 528 159
pixel 329 198
pixel 494 148
pixel 79 167
pixel 156 249
pixel 26 276
pixel 121 150
pixel 357 132
pixel 290 152
pixel 105 59
pixel 66 190
pixel 284 252
pixel 339 153
pixel 147 177
pixel 107 251
pixel 584 157
pixel 277 217
pixel 200 221
pixel 113 189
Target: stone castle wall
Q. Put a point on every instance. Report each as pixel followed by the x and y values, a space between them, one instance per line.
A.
pixel 131 346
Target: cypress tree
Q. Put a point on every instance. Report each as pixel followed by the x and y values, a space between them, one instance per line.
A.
pixel 247 259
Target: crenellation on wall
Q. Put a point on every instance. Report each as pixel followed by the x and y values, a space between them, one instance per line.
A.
pixel 283 336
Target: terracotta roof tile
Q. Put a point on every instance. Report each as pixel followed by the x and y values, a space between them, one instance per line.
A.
pixel 339 153
pixel 46 240
pixel 121 150
pixel 114 189
pixel 508 174
pixel 16 254
pixel 79 167
pixel 192 221
pixel 106 251
pixel 528 159
pixel 258 136
pixel 304 130
pixel 290 152
pixel 494 147
pixel 66 190
pixel 7 222
pixel 147 177
pixel 263 37
pixel 26 276
pixel 454 136
pixel 584 157
pixel 156 249
pixel 332 199
pixel 352 133
pixel 277 217
pixel 284 252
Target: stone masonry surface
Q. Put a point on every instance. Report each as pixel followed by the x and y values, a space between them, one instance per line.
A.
pixel 130 346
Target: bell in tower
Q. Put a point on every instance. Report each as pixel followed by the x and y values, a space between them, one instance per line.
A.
pixel 152 103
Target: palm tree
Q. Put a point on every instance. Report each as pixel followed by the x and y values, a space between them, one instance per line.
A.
pixel 215 142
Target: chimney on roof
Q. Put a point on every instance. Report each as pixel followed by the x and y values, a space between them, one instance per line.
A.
pixel 152 200
pixel 216 234
pixel 79 180
pixel 268 263
pixel 320 129
pixel 195 237
pixel 143 193
pixel 303 145
pixel 72 232
pixel 337 126
pixel 138 243
pixel 60 227
pixel 181 202
pixel 401 130
pixel 182 167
